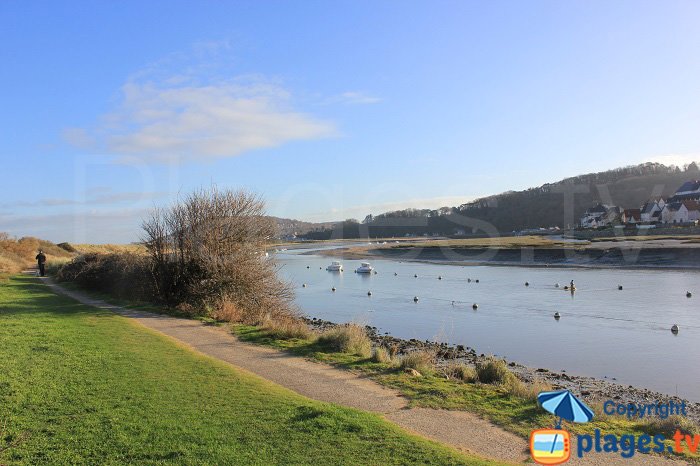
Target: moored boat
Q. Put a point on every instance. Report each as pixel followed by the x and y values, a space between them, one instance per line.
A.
pixel 335 266
pixel 364 267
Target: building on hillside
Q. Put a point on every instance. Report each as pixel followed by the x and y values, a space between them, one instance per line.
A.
pixel 689 191
pixel 631 216
pixel 601 215
pixel 651 210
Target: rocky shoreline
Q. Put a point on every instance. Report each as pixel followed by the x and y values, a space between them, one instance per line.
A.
pixel 591 389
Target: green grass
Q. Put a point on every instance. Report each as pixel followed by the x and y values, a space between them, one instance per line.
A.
pixel 84 386
pixel 492 402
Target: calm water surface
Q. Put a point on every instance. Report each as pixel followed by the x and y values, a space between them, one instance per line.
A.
pixel 603 332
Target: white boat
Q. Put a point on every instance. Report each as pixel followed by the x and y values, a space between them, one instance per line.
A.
pixel 364 268
pixel 335 267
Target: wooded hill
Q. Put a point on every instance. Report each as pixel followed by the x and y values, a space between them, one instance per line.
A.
pixel 558 204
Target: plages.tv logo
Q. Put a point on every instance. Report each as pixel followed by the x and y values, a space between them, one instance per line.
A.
pixel 553 446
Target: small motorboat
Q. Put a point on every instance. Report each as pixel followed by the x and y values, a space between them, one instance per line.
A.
pixel 364 267
pixel 335 266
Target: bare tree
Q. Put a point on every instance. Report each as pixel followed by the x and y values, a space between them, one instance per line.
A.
pixel 209 248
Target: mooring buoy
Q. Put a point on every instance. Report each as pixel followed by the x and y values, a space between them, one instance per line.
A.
pixel 475 306
pixel 333 289
pixel 674 328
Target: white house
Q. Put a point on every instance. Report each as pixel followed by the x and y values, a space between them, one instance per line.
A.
pixel 650 211
pixel 675 212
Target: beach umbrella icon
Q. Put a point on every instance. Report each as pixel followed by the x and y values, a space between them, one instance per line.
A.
pixel 565 405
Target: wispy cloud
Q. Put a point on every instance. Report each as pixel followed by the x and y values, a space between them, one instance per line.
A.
pixel 353 98
pixel 189 107
pixel 98 197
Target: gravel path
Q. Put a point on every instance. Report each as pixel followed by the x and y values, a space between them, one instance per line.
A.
pixel 459 429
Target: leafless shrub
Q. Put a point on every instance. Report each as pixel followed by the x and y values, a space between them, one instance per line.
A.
pixel 208 249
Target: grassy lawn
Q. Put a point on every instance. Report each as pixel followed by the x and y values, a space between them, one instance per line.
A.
pixel 84 386
pixel 492 402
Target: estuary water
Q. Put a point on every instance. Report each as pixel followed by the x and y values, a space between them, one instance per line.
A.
pixel 603 332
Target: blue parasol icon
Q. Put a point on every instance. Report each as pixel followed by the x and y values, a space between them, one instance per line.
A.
pixel 564 404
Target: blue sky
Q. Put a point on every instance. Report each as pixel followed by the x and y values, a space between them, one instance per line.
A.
pixel 330 110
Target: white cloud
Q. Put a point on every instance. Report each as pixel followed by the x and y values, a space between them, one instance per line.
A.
pixel 177 118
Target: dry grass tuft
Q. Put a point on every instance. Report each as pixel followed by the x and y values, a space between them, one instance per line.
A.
pixel 669 425
pixel 421 360
pixel 493 371
pixel 526 391
pixel 287 328
pixel 460 371
pixel 382 355
pixel 348 338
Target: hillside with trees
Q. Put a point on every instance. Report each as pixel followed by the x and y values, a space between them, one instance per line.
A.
pixel 558 204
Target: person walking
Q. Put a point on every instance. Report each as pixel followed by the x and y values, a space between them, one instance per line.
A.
pixel 41 260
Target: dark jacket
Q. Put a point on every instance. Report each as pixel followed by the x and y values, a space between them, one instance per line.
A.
pixel 41 258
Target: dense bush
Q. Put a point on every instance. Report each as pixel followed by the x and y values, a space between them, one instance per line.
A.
pixel 122 275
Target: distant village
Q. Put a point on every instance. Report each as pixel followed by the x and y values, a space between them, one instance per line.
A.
pixel 681 209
